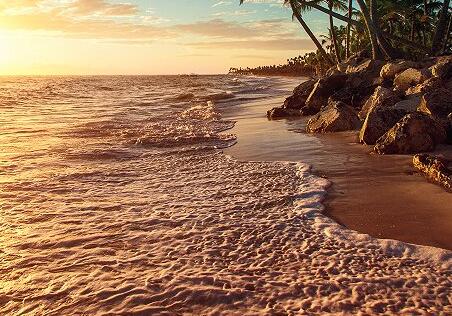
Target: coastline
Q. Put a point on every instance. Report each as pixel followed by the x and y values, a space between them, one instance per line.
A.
pixel 380 196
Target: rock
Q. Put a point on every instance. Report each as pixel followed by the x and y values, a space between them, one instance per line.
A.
pixel 322 90
pixel 336 117
pixel 410 104
pixel 279 113
pixel 437 102
pixel 382 97
pixel 449 129
pixel 408 78
pixel 378 122
pixel 414 133
pixel 300 94
pixel 354 60
pixel 436 169
pixel 369 65
pixel 390 70
pixel 430 84
pixel 357 90
pixel 442 68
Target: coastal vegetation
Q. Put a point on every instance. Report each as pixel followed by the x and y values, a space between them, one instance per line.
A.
pixel 380 29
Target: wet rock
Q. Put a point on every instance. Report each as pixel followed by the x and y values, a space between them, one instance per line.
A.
pixel 414 133
pixel 378 122
pixel 322 90
pixel 408 78
pixel 280 113
pixel 410 104
pixel 390 70
pixel 335 118
pixel 437 102
pixel 300 94
pixel 436 169
pixel 382 97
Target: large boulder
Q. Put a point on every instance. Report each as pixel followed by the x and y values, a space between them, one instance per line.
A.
pixel 378 122
pixel 437 102
pixel 414 133
pixel 300 94
pixel 390 70
pixel 322 90
pixel 408 78
pixel 280 113
pixel 369 65
pixel 436 169
pixel 336 117
pixel 382 97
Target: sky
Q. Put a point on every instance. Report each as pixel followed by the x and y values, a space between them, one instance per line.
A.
pixel 110 37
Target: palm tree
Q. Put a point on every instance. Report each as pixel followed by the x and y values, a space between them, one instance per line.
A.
pixel 333 34
pixel 347 43
pixel 441 29
pixel 449 30
pixel 296 9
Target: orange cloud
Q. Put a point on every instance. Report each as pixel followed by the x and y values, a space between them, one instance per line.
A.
pixel 86 7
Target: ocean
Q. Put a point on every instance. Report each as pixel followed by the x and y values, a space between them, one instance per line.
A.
pixel 117 198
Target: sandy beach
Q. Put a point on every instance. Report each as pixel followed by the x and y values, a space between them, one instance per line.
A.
pixel 380 196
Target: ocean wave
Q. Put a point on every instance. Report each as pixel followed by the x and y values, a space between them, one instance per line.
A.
pixel 218 96
pixel 183 97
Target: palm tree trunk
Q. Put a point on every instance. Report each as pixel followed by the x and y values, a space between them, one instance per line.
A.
pixel 347 44
pixel 440 33
pixel 386 47
pixel 449 29
pixel 376 53
pixel 334 35
pixel 297 14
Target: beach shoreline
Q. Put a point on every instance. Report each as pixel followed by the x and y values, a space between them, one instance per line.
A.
pixel 381 196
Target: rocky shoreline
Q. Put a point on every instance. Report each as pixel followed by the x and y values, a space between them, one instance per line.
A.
pixel 398 107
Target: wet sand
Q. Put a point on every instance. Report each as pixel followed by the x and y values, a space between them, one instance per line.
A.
pixel 380 196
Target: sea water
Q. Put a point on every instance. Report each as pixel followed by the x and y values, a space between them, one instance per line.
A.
pixel 116 198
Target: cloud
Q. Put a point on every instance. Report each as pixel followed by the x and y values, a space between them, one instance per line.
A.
pixel 81 28
pixel 218 28
pixel 258 44
pixel 122 22
pixel 220 3
pixel 87 7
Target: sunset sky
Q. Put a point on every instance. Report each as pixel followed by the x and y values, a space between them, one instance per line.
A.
pixel 147 36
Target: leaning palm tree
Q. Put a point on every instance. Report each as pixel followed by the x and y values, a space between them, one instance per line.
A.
pixel 349 25
pixel 331 4
pixel 296 11
pixel 297 8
